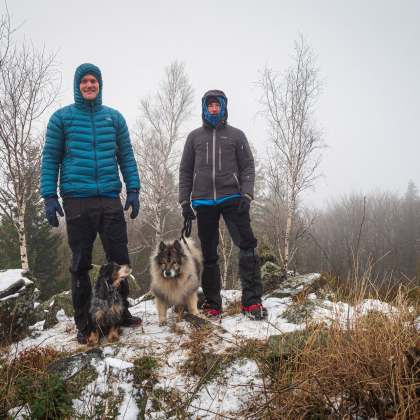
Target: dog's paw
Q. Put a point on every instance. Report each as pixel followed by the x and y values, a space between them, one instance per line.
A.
pixel 162 323
pixel 113 339
pixel 120 331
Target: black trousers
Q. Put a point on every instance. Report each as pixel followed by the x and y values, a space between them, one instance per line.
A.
pixel 239 227
pixel 85 218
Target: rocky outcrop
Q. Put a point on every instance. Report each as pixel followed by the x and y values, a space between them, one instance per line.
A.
pixel 307 283
pixel 18 296
pixel 100 373
pixel 293 343
pixel 48 310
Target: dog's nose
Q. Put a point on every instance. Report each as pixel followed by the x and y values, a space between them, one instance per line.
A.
pixel 167 273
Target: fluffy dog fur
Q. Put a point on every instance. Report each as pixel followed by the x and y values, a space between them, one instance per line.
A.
pixel 176 276
pixel 107 306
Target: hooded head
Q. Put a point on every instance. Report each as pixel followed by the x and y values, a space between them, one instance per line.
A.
pixel 214 120
pixel 81 72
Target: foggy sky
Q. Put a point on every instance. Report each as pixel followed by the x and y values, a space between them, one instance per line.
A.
pixel 369 53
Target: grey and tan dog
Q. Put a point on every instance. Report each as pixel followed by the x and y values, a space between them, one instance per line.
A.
pixel 176 276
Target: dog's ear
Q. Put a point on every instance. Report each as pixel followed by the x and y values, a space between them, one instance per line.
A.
pixel 162 246
pixel 106 269
pixel 177 246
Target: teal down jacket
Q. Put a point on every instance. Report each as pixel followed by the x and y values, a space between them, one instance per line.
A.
pixel 86 141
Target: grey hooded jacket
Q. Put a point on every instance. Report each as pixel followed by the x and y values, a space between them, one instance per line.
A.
pixel 216 163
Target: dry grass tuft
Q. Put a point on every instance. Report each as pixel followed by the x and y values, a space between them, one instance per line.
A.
pixel 233 308
pixel 197 346
pixel 29 363
pixel 365 366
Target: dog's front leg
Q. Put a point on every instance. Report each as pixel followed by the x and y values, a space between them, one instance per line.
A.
pixel 94 338
pixel 113 335
pixel 161 308
pixel 192 304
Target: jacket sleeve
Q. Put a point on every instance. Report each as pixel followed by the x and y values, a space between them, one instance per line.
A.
pixel 186 171
pixel 246 165
pixel 125 156
pixel 52 155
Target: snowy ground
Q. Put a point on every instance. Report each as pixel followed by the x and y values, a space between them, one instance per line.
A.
pixel 228 393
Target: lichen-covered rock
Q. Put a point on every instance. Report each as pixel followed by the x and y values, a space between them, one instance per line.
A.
pixel 48 310
pixel 300 312
pixel 97 374
pixel 286 345
pixel 132 283
pixel 294 285
pixel 17 304
pixel 271 276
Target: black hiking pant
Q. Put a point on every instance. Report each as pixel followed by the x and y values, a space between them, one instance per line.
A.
pixel 85 218
pixel 239 227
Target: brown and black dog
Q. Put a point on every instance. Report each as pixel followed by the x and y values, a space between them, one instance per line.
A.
pixel 107 306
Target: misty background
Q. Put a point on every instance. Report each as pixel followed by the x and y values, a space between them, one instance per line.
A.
pixel 367 54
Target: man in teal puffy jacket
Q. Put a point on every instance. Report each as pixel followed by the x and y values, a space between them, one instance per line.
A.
pixel 86 143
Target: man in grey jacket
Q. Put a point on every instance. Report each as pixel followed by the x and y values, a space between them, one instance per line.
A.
pixel 216 177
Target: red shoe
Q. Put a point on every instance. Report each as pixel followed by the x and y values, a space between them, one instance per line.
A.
pixel 131 321
pixel 211 313
pixel 255 311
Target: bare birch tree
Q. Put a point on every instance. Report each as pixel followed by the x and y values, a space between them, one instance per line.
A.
pixel 296 142
pixel 157 138
pixel 29 85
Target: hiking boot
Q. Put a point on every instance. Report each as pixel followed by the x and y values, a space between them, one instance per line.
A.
pixel 131 321
pixel 83 336
pixel 211 313
pixel 258 312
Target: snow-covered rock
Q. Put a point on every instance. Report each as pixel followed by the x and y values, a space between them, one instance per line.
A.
pixel 48 310
pixel 18 295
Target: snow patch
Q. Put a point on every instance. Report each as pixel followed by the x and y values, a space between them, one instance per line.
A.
pixel 10 277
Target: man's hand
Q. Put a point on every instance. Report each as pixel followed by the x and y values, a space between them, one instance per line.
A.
pixel 187 210
pixel 244 204
pixel 133 201
pixel 51 207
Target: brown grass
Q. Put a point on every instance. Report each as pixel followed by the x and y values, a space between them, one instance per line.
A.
pixel 30 362
pixel 361 367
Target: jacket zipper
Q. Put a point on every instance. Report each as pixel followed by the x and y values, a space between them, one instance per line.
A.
pixel 94 149
pixel 207 149
pixel 214 163
pixel 220 158
pixel 67 147
pixel 237 181
pixel 194 182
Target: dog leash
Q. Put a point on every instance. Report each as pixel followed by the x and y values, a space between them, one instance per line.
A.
pixel 186 230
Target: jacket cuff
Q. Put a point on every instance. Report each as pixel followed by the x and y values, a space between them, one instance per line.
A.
pixel 50 196
pixel 184 203
pixel 133 190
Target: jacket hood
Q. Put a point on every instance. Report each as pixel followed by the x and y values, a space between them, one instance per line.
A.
pixel 216 93
pixel 81 72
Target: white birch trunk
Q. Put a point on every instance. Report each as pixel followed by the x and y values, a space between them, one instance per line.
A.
pixel 22 236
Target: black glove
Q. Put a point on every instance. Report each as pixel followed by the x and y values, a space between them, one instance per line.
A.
pixel 244 205
pixel 133 200
pixel 51 207
pixel 187 210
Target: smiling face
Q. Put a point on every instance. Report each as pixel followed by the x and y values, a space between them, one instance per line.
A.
pixel 89 87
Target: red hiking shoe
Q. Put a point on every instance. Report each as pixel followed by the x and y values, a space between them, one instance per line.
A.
pixel 257 312
pixel 211 313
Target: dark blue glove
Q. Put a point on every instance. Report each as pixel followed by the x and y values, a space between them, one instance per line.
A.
pixel 244 205
pixel 51 207
pixel 133 201
pixel 187 210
